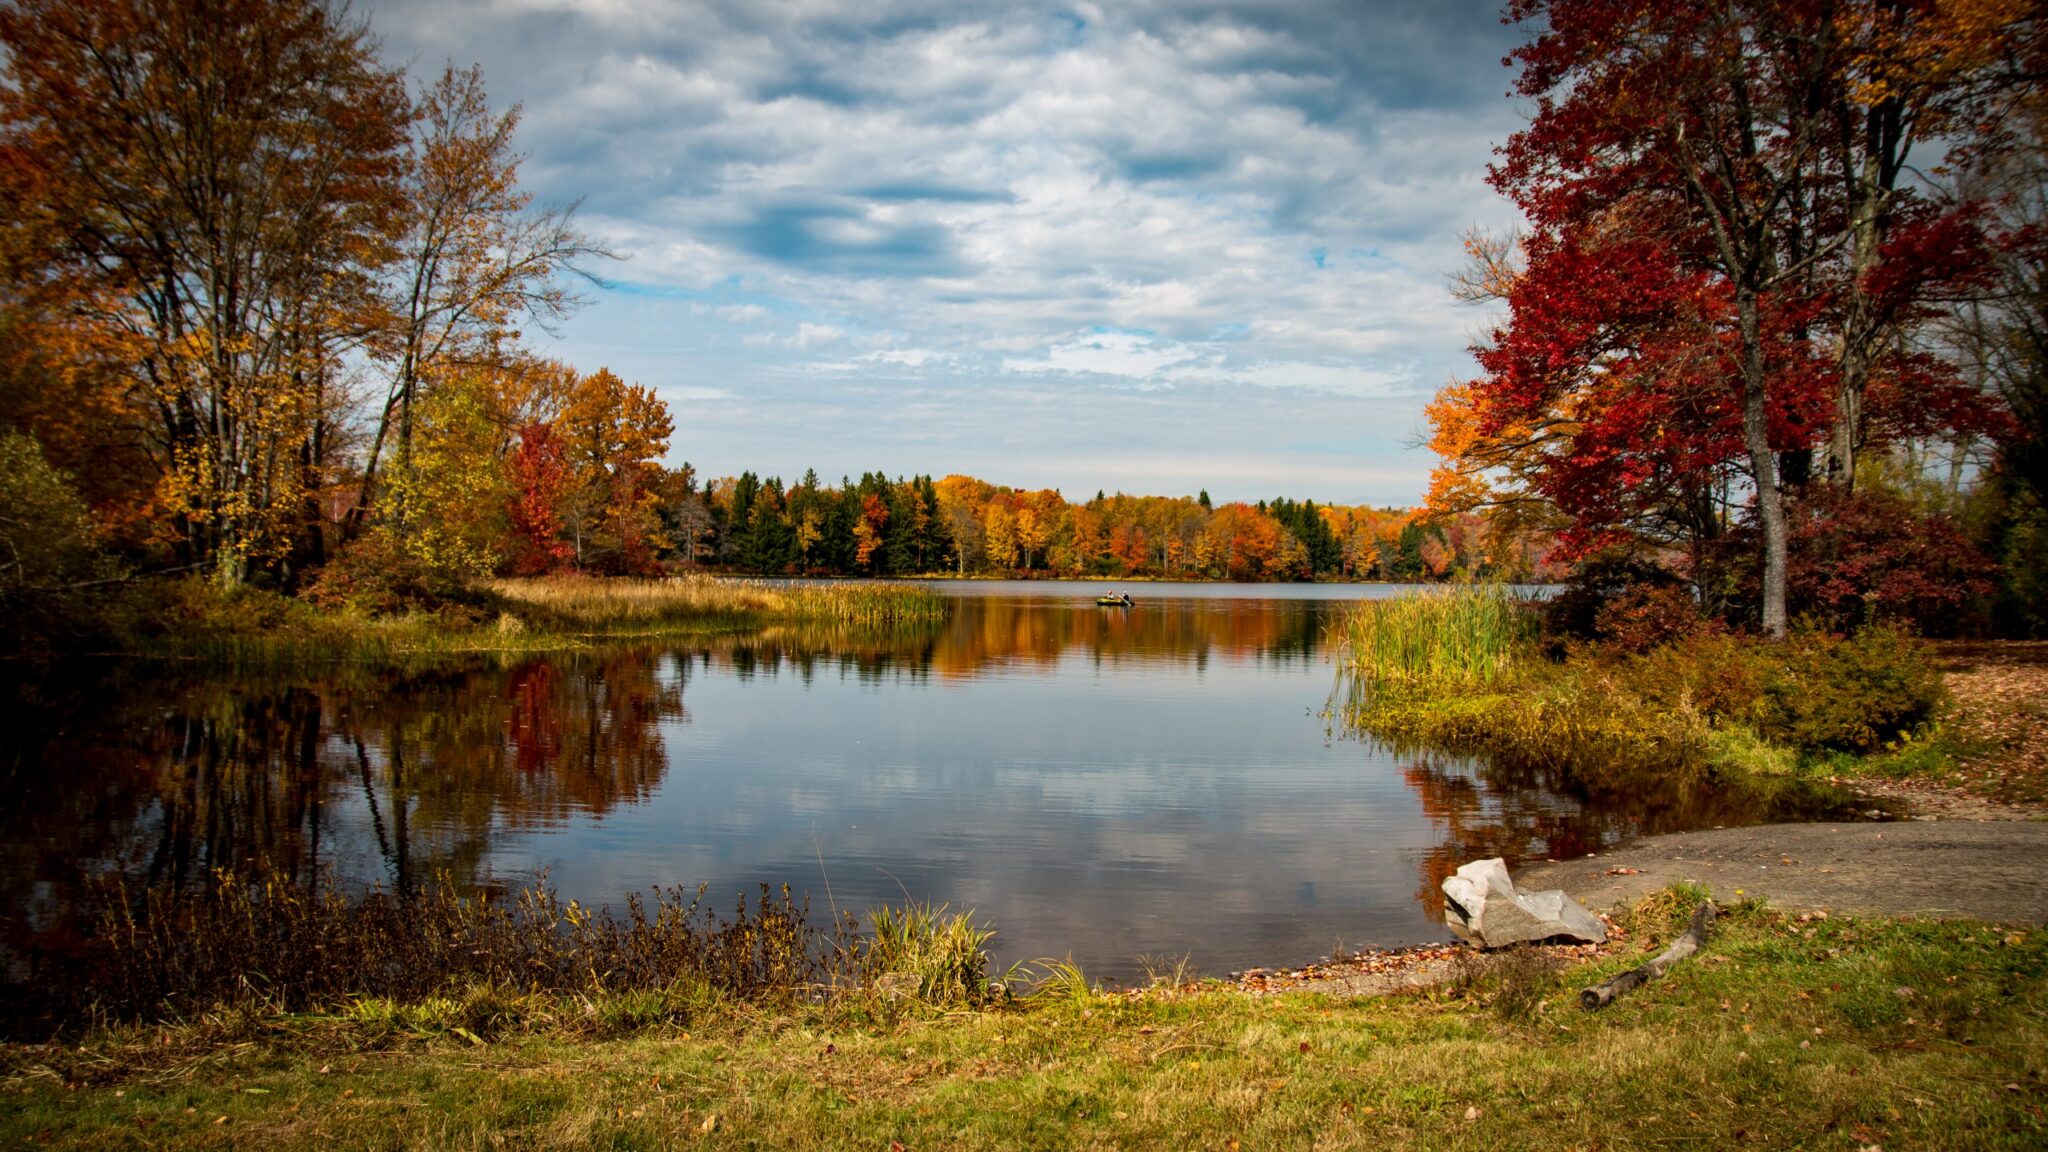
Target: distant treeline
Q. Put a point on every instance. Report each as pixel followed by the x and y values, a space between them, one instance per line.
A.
pixel 876 526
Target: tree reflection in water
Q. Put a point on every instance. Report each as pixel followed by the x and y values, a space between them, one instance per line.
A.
pixel 378 777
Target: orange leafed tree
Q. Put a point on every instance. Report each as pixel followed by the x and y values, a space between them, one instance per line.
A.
pixel 220 182
pixel 614 435
pixel 867 531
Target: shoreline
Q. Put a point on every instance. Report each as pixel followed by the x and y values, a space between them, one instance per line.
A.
pixel 1921 868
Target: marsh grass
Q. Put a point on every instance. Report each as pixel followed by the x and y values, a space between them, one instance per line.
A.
pixel 1550 721
pixel 1459 670
pixel 946 953
pixel 1462 634
pixel 1173 971
pixel 1057 979
pixel 192 620
pixel 273 941
pixel 619 605
pixel 1787 1032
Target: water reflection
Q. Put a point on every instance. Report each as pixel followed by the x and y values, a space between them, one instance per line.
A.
pixel 1488 808
pixel 1021 632
pixel 1101 782
pixel 380 778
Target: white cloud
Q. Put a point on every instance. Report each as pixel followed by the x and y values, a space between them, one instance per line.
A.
pixel 907 357
pixel 689 394
pixel 1128 354
pixel 1030 194
pixel 1343 379
pixel 816 335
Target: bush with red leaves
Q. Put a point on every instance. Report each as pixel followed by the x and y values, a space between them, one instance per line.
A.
pixel 1870 557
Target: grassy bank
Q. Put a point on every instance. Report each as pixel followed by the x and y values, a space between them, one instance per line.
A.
pixel 192 619
pixel 1463 670
pixel 1786 1032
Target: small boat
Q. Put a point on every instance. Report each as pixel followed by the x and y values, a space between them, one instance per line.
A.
pixel 1122 600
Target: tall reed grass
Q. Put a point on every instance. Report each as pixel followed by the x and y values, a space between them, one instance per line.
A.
pixel 697 600
pixel 515 616
pixel 946 953
pixel 1460 634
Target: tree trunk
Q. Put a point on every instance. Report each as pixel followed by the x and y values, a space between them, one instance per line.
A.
pixel 1763 463
pixel 1857 327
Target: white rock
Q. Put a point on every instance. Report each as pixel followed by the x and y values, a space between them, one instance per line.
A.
pixel 1482 907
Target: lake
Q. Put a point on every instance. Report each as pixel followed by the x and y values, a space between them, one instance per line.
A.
pixel 1111 784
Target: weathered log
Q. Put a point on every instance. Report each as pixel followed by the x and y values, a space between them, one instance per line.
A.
pixel 1615 987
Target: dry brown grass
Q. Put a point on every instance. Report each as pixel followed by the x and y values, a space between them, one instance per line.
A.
pixel 622 605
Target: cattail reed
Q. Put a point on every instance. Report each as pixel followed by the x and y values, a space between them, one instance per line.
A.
pixel 1463 634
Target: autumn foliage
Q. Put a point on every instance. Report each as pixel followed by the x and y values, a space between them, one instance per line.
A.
pixel 1719 304
pixel 537 475
pixel 205 191
pixel 226 219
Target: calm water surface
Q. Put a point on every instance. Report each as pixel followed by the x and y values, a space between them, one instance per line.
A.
pixel 1110 784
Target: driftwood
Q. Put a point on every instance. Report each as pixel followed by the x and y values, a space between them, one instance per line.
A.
pixel 1615 987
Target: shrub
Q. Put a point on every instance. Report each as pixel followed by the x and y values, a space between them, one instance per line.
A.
pixel 2017 532
pixel 1871 556
pixel 1575 613
pixel 1714 675
pixel 373 576
pixel 195 604
pixel 48 551
pixel 268 938
pixel 1645 616
pixel 1813 693
pixel 1854 694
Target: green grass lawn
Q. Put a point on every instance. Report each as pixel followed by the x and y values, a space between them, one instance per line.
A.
pixel 1784 1033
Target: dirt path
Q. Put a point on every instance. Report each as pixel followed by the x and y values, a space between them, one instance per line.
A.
pixel 1996 870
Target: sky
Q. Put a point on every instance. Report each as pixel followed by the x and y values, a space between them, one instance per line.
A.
pixel 1148 247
